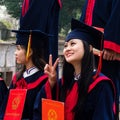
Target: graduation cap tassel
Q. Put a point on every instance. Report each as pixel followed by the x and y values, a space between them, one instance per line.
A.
pixel 29 46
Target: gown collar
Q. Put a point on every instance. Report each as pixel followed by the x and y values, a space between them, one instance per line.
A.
pixel 30 72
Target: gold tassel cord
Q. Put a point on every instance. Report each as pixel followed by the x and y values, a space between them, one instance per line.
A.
pixel 29 46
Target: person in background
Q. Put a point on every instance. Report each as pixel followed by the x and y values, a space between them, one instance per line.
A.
pixel 45 17
pixel 104 15
pixel 3 90
pixel 38 20
pixel 87 94
pixel 31 76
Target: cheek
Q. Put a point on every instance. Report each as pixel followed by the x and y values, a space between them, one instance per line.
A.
pixel 21 57
pixel 22 60
pixel 80 53
pixel 63 51
pixel 79 56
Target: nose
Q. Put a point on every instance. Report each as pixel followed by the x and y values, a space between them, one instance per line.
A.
pixel 66 49
pixel 15 52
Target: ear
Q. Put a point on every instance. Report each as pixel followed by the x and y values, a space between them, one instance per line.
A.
pixel 31 52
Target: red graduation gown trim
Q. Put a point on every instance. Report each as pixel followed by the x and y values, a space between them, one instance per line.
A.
pixel 70 103
pixel 37 82
pixel 48 90
pixel 115 47
pixel 22 83
pixel 25 7
pixel 103 78
pixel 89 12
pixel 60 3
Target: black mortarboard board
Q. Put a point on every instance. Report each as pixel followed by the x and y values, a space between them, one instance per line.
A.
pixel 86 33
pixel 37 37
pixel 31 39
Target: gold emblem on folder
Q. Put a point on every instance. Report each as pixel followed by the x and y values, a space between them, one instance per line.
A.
pixel 52 115
pixel 15 103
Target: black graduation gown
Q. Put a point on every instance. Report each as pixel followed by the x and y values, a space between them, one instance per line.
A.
pixel 3 90
pixel 105 14
pixel 33 84
pixel 98 106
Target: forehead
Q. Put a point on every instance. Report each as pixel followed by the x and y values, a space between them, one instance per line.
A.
pixel 74 40
pixel 20 46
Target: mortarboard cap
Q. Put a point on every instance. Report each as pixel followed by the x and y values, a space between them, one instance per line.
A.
pixel 89 34
pixel 86 33
pixel 37 37
pixel 31 39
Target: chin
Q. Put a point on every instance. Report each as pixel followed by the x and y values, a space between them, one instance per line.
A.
pixel 69 61
pixel 18 62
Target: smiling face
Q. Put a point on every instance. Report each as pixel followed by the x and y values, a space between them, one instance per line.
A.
pixel 73 51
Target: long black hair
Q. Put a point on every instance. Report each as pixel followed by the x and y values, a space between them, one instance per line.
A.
pixel 37 59
pixel 84 81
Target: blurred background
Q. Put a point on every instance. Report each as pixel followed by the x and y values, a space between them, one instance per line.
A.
pixel 9 19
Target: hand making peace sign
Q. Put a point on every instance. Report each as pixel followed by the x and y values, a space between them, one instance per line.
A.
pixel 50 70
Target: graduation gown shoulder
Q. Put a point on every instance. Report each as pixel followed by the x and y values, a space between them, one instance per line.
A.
pixel 103 14
pixel 99 104
pixel 33 84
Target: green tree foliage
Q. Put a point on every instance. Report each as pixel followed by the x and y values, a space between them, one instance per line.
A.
pixel 70 8
pixel 13 7
pixel 6 23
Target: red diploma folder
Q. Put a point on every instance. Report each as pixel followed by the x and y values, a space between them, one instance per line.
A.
pixel 52 110
pixel 15 104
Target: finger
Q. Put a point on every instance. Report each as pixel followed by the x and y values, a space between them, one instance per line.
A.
pixel 117 56
pixel 50 60
pixel 104 55
pixel 56 63
pixel 46 67
pixel 111 57
pixel 114 57
pixel 46 72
